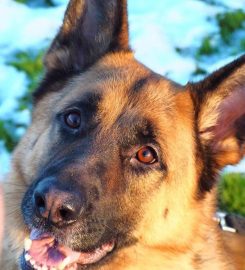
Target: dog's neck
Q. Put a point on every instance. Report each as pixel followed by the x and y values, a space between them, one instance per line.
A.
pixel 200 255
pixel 204 241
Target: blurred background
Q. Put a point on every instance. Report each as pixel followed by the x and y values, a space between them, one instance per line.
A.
pixel 181 39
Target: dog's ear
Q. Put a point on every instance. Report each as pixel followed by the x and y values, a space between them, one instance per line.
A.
pixel 90 29
pixel 220 112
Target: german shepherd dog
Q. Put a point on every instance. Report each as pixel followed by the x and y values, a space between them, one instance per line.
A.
pixel 119 166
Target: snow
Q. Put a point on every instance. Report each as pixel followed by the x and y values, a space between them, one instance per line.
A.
pixel 156 30
pixel 4 161
pixel 23 27
pixel 233 3
pixel 166 25
pixel 13 86
pixel 239 168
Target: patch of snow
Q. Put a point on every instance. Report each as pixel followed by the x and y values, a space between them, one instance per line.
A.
pixel 162 57
pixel 13 86
pixel 238 168
pixel 23 118
pixel 158 29
pixel 23 27
pixel 239 4
pixel 60 2
pixel 219 63
pixel 4 161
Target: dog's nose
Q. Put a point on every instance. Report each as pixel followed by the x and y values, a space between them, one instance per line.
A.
pixel 55 204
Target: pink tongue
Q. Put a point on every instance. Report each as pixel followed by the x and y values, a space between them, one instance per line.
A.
pixel 46 251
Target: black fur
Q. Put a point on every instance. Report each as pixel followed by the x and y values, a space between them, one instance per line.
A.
pixel 141 83
pixel 101 28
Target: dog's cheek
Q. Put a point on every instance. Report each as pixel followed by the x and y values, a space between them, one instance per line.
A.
pixel 30 153
pixel 136 199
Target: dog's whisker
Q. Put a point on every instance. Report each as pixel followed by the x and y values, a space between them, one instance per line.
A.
pixel 13 205
pixel 107 226
pixel 15 193
pixel 15 184
pixel 13 212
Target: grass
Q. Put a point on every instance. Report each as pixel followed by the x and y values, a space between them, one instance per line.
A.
pixel 232 193
pixel 37 3
pixel 207 47
pixel 242 44
pixel 7 135
pixel 229 22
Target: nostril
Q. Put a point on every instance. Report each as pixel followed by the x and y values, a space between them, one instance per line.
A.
pixel 39 202
pixel 65 214
pixel 68 213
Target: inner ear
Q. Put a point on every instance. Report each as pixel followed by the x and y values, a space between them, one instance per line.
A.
pixel 228 142
pixel 220 113
pixel 231 116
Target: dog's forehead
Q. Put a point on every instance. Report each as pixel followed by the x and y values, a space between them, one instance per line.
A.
pixel 117 86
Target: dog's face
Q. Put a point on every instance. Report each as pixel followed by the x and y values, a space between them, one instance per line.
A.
pixel 104 142
pixel 116 155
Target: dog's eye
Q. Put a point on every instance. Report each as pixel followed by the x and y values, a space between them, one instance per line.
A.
pixel 73 119
pixel 146 155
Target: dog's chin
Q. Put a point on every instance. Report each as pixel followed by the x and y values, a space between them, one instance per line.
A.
pixel 43 251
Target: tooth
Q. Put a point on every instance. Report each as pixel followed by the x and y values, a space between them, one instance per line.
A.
pixel 32 262
pixel 44 267
pixel 65 262
pixel 61 267
pixel 27 244
pixel 27 257
pixel 52 268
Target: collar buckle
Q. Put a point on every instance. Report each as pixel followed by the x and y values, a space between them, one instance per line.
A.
pixel 220 217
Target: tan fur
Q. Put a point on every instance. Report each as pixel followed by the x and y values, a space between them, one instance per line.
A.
pixel 235 245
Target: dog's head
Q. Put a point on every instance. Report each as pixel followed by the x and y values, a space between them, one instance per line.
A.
pixel 117 155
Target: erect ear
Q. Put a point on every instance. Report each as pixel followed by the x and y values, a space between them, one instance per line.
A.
pixel 90 29
pixel 220 113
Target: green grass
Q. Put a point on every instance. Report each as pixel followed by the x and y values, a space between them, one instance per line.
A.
pixel 232 193
pixel 206 48
pixel 199 71
pixel 242 45
pixel 37 3
pixel 8 137
pixel 229 22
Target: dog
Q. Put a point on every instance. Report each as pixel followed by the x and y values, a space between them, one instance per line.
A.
pixel 119 167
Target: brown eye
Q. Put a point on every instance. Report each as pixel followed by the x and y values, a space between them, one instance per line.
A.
pixel 73 119
pixel 147 155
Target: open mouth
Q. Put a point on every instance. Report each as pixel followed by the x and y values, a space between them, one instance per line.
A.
pixel 43 252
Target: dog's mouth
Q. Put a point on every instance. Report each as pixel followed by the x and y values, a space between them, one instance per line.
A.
pixel 43 251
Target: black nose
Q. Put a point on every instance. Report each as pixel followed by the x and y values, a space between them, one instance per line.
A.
pixel 57 204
